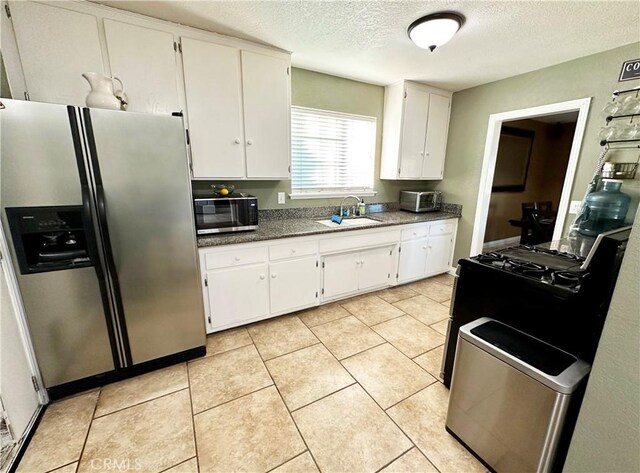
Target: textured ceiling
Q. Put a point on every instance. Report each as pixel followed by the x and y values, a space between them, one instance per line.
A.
pixel 367 40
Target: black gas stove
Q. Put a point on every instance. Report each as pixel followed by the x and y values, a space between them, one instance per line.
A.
pixel 558 292
pixel 559 269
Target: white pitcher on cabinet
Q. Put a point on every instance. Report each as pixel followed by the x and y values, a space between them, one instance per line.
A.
pixel 102 93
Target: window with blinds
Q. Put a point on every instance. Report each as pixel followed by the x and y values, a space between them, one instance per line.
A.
pixel 332 153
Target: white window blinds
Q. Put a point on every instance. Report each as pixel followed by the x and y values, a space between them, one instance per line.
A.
pixel 331 152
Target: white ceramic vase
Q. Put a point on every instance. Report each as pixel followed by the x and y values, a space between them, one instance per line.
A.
pixel 102 93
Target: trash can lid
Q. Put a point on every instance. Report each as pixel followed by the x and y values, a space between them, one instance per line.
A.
pixel 547 364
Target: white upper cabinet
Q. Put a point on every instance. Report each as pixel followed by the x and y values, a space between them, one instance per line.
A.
pixel 212 78
pixel 266 90
pixel 145 60
pixel 238 109
pixel 56 46
pixel 436 141
pixel 414 132
pixel 414 136
pixel 236 95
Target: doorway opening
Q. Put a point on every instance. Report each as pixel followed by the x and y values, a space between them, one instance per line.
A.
pixel 529 165
pixel 527 183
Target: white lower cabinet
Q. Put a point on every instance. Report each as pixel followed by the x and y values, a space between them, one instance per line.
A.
pixel 340 274
pixel 236 295
pixel 248 282
pixel 293 284
pixel 426 250
pixel 413 260
pixel 439 254
pixel 351 272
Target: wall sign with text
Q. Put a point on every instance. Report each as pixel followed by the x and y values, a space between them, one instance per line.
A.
pixel 630 70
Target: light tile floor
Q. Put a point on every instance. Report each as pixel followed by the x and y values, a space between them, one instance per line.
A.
pixel 347 387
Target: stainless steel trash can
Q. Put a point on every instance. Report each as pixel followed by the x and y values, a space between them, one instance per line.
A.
pixel 509 396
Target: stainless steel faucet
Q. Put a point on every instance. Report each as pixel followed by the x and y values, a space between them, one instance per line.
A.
pixel 349 196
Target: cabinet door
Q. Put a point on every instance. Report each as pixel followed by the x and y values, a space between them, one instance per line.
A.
pixel 414 128
pixel 238 294
pixel 439 254
pixel 436 140
pixel 145 60
pixel 294 284
pixel 413 260
pixel 56 47
pixel 375 267
pixel 340 274
pixel 213 88
pixel 265 86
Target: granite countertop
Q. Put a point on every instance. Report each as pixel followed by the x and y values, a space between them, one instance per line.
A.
pixel 272 227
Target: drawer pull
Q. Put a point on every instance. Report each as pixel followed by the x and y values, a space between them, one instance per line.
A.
pixel 273 276
pixel 237 258
pixel 262 276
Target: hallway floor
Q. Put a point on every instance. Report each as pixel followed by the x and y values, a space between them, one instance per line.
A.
pixel 346 387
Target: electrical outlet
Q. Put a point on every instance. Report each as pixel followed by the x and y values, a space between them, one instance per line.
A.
pixel 281 197
pixel 575 206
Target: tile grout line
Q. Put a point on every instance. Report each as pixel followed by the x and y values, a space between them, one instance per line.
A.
pixel 141 402
pixel 310 327
pixel 398 457
pixel 234 399
pixel 223 351
pixel 290 415
pixel 193 418
pixel 327 395
pixel 289 460
pixel 414 443
pixel 289 353
pixel 86 435
pixel 178 464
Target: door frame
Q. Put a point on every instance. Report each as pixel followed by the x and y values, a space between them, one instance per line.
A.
pixel 491 152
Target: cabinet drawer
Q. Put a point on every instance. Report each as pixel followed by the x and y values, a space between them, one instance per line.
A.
pixel 292 250
pixel 441 228
pixel 414 233
pixel 235 258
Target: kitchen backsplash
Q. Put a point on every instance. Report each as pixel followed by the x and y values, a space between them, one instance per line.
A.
pixel 324 211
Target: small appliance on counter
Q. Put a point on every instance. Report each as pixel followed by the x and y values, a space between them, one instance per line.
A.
pixel 415 201
pixel 235 212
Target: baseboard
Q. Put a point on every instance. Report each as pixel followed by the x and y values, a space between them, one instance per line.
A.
pixel 511 241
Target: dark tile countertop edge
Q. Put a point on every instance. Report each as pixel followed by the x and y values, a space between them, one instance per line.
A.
pixel 278 228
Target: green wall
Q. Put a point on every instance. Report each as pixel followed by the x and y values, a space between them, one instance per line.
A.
pixel 4 83
pixel 316 90
pixel 593 76
pixel 607 435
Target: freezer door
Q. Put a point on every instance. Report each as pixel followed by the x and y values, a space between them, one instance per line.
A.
pixel 65 311
pixel 144 200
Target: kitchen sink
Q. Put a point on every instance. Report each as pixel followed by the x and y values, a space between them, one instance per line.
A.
pixel 350 222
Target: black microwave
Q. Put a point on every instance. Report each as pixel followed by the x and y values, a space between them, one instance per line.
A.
pixel 226 214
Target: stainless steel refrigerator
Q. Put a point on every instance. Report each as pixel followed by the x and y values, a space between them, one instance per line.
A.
pixel 98 207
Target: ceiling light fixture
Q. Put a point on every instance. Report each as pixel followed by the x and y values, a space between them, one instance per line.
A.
pixel 434 30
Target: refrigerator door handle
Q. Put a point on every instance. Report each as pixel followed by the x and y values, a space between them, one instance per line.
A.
pixel 104 230
pixel 92 242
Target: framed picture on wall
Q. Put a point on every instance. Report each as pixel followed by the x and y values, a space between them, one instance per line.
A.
pixel 512 163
